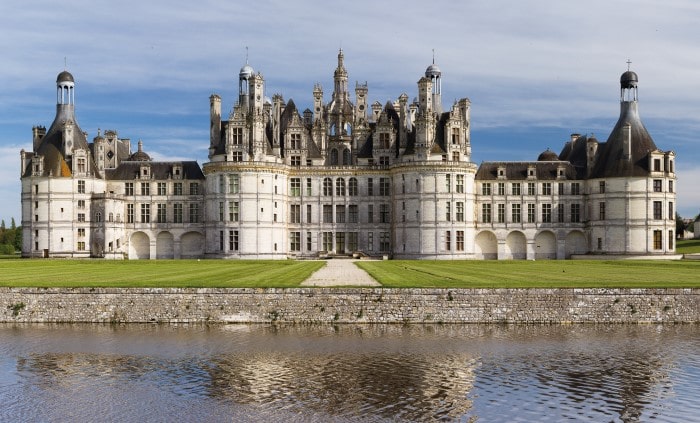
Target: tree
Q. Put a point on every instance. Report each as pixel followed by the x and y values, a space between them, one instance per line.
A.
pixel 680 226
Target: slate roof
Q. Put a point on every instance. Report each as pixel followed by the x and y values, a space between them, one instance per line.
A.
pixel 129 170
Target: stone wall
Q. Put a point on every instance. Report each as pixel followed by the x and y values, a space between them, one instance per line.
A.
pixel 328 305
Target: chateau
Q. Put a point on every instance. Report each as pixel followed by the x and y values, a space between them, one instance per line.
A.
pixel 348 177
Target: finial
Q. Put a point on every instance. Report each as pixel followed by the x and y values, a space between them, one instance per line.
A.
pixel 433 56
pixel 246 55
pixel 629 62
pixel 65 63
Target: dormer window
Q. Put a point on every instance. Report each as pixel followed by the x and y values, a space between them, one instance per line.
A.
pixel 177 172
pixel 145 172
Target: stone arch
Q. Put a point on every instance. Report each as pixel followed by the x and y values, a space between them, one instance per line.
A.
pixel 486 246
pixel 192 245
pixel 165 245
pixel 576 243
pixel 545 245
pixel 139 246
pixel 347 158
pixel 516 246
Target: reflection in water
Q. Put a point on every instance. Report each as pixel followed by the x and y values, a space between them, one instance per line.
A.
pixel 348 373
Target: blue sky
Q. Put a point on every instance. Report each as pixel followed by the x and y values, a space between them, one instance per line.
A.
pixel 535 71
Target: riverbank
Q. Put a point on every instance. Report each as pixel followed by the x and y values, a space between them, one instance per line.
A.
pixel 348 305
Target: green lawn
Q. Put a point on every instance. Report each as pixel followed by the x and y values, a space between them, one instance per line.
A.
pixel 156 273
pixel 688 246
pixel 535 274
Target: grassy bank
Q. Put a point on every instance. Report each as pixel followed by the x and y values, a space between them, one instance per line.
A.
pixel 534 274
pixel 156 273
pixel 688 246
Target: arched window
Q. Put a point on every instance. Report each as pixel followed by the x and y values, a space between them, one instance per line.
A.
pixel 331 130
pixel 346 157
pixel 352 186
pixel 348 129
pixel 340 186
pixel 334 157
pixel 111 217
pixel 98 217
pixel 327 186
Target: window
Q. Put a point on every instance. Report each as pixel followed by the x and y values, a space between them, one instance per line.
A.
pixel 455 135
pixel 384 213
pixel 81 187
pixel 600 243
pixel 234 183
pixel 233 240
pixel 670 186
pixel 460 211
pixel 339 213
pixel 308 186
pixel 460 184
pixel 601 187
pixel 547 188
pixel 657 210
pixel 327 186
pixel 145 188
pixel 575 213
pixel 671 216
pixel 194 188
pixel 486 189
pixel 560 188
pixel 295 161
pixel 384 243
pixel 162 188
pixel 295 241
pixel 194 213
pixel 81 245
pixel 145 213
pixel 575 188
pixel 370 213
pixel 448 211
pixel 177 213
pixel 384 140
pixel 295 187
pixel 531 188
pixel 601 210
pixel 222 184
pixel 233 211
pixel 670 240
pixel 160 213
pixel 657 240
pixel 560 213
pixel 237 156
pixel 455 156
pixel 370 186
pixel 308 241
pixel 384 160
pixel 237 136
pixel 81 204
pixel 295 141
pixel 515 215
pixel 370 241
pixel 177 188
pixel 530 213
pixel 352 187
pixel 486 213
pixel 547 213
pixel 515 188
pixel 384 187
pixel 657 185
pixel 657 165
pixel 352 213
pixel 501 188
pixel 448 182
pixel 327 213
pixel 501 213
pixel 129 213
pixel 448 240
pixel 460 241
pixel 81 232
pixel 308 213
pixel 352 241
pixel 340 187
pixel 328 241
pixel 81 165
pixel 295 213
pixel 221 212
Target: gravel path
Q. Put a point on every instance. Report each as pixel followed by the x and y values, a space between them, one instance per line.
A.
pixel 340 272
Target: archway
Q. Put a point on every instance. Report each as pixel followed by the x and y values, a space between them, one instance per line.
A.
pixel 165 246
pixel 516 246
pixel 486 246
pixel 139 246
pixel 192 245
pixel 576 243
pixel 545 245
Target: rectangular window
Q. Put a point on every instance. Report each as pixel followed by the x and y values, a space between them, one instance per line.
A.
pixel 486 189
pixel 671 216
pixel 296 161
pixel 384 213
pixel 448 211
pixel 657 210
pixel 515 213
pixel 233 240
pixel 448 240
pixel 370 213
pixel 295 241
pixel 145 213
pixel 81 204
pixel 547 213
pixel 657 165
pixel 670 186
pixel 352 241
pixel 547 188
pixel 352 213
pixel 308 213
pixel 328 241
pixel 194 188
pixel 601 210
pixel 657 240
pixel 370 186
pixel 340 187
pixel 234 183
pixel 81 232
pixel 383 160
pixel 384 241
pixel 308 186
pixel 295 213
pixel 221 240
pixel 370 241
pixel 81 187
pixel 233 211
pixel 501 213
pixel 222 184
pixel 560 188
pixel 129 213
pixel 237 135
pixel 295 141
pixel 384 186
pixel 295 187
pixel 340 242
pixel 308 241
pixel 560 212
pixel 530 213
pixel 177 188
pixel 501 188
pixel 145 188
pixel 657 185
pixel 81 166
pixel 177 213
pixel 160 213
pixel 575 188
pixel 327 187
pixel 460 211
pixel 670 240
pixel 576 213
pixel 327 213
pixel 448 182
pixel 515 188
pixel 340 213
pixel 194 213
pixel 531 188
pixel 460 241
pixel 384 141
pixel 460 184
pixel 162 188
pixel 601 187
pixel 81 246
pixel 221 211
pixel 486 213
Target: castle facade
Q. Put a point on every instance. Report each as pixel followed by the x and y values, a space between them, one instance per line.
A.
pixel 348 177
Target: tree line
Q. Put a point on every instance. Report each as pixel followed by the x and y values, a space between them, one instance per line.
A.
pixel 10 238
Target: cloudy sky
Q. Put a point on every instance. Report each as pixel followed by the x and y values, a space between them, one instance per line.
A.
pixel 535 71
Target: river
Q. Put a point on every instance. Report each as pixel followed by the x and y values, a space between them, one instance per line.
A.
pixel 373 373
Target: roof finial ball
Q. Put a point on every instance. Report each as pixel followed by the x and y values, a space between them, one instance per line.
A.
pixel 628 84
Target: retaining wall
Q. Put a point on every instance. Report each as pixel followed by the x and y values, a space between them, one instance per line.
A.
pixel 330 305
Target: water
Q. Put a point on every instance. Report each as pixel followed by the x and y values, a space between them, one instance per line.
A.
pixel 485 373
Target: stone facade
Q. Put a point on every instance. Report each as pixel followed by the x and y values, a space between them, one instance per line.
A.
pixel 326 305
pixel 347 177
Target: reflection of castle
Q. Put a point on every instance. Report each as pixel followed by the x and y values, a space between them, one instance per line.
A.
pixel 346 177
